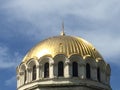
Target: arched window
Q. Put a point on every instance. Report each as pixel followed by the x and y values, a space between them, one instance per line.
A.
pixel 60 69
pixel 98 74
pixel 46 70
pixel 34 72
pixel 88 72
pixel 25 76
pixel 75 69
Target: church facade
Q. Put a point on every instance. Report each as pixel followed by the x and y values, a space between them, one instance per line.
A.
pixel 63 63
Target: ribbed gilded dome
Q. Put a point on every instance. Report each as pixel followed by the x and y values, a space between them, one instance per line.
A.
pixel 67 45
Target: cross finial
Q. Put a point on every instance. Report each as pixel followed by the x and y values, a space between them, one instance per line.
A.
pixel 62 33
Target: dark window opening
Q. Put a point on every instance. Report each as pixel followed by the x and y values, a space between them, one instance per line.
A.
pixel 88 72
pixel 75 69
pixel 98 74
pixel 46 70
pixel 34 73
pixel 60 69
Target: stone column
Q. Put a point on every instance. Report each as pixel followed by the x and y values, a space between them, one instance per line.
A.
pixel 40 71
pixel 67 72
pixel 51 70
pixel 82 71
pixel 37 72
pixel 21 78
pixel 55 71
pixel 94 73
pixel 18 81
pixel 105 77
pixel 108 79
pixel 29 74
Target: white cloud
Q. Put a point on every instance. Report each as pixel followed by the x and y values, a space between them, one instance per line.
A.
pixel 8 60
pixel 94 9
pixel 46 14
pixel 102 15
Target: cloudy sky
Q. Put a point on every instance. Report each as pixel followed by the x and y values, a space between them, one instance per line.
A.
pixel 24 23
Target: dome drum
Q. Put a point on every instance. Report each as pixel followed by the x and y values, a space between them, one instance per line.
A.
pixel 68 73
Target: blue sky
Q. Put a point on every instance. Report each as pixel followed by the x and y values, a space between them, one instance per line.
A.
pixel 24 23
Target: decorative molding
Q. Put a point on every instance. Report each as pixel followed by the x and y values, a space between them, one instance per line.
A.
pixel 21 73
pixel 67 62
pixel 29 69
pixel 52 63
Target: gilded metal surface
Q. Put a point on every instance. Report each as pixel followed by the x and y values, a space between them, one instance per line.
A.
pixel 67 45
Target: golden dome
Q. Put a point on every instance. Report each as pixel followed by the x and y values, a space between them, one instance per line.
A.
pixel 67 45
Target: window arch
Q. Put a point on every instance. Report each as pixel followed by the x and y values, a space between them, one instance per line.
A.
pixel 46 70
pixel 75 69
pixel 88 72
pixel 60 69
pixel 34 72
pixel 98 74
